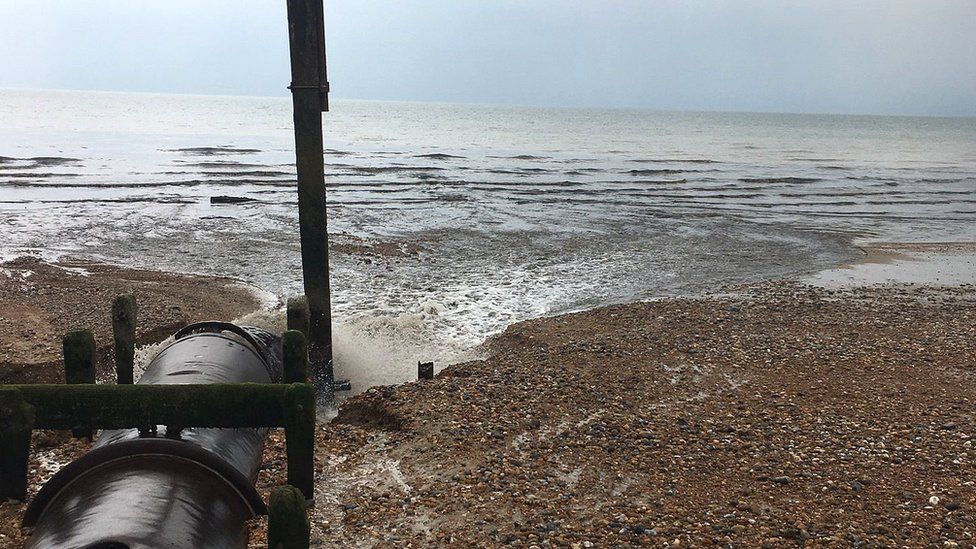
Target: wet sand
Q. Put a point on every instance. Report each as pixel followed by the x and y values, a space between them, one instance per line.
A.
pixel 41 301
pixel 923 263
pixel 784 415
pixel 777 415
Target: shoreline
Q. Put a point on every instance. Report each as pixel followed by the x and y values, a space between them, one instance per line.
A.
pixel 790 414
pixel 922 263
pixel 606 425
pixel 42 300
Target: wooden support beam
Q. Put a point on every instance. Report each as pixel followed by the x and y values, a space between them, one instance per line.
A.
pixel 79 366
pixel 300 437
pixel 305 32
pixel 294 353
pixel 288 526
pixel 16 424
pixel 225 405
pixel 297 315
pixel 124 311
pixel 218 405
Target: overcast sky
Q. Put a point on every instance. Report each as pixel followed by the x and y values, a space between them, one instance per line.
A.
pixel 866 56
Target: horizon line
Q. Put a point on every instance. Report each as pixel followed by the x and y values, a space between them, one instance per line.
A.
pixel 285 95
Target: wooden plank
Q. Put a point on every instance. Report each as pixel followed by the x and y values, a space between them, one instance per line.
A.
pixel 227 405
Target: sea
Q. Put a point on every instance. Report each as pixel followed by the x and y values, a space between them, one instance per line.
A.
pixel 475 216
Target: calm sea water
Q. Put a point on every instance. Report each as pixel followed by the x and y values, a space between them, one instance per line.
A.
pixel 517 212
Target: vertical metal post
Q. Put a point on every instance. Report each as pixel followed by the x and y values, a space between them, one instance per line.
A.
pixel 306 32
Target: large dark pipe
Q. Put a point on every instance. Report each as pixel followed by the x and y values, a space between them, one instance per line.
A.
pixel 192 489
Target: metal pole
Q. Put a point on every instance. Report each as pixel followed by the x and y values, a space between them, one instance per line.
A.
pixel 306 31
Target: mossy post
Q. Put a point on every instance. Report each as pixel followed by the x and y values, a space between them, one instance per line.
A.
pixel 300 437
pixel 425 370
pixel 297 315
pixel 16 424
pixel 124 312
pixel 295 357
pixel 288 526
pixel 79 365
pixel 214 405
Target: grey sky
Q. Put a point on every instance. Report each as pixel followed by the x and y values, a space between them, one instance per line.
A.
pixel 872 56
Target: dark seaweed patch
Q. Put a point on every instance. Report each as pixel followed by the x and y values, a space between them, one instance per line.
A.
pixel 372 170
pixel 654 172
pixel 438 156
pixel 523 157
pixel 224 199
pixel 49 161
pixel 790 180
pixel 674 161
pixel 214 151
pixel 220 164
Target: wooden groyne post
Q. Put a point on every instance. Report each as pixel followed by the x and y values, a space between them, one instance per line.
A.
pixel 294 357
pixel 309 90
pixel 16 424
pixel 124 335
pixel 297 315
pixel 79 366
pixel 288 526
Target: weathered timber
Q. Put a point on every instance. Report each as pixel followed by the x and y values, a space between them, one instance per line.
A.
pixel 323 71
pixel 79 356
pixel 79 366
pixel 425 370
pixel 304 32
pixel 124 311
pixel 294 353
pixel 16 423
pixel 300 437
pixel 226 405
pixel 297 314
pixel 288 526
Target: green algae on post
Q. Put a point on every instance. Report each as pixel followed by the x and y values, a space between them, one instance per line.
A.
pixel 299 412
pixel 79 367
pixel 16 424
pixel 124 311
pixel 288 525
pixel 294 350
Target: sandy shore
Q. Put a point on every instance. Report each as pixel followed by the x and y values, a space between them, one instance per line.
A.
pixel 775 415
pixel 40 301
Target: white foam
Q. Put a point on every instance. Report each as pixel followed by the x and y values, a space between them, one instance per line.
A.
pixel 384 350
